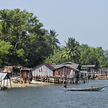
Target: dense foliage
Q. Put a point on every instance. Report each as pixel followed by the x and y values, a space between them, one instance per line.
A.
pixel 24 41
pixel 81 54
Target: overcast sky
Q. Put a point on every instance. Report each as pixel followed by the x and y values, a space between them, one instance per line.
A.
pixel 85 20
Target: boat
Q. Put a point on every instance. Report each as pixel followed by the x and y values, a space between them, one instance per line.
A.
pixel 101 88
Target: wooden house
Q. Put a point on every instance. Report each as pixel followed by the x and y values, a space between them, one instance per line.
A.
pixel 87 72
pixel 11 70
pixel 26 74
pixel 55 71
pixel 88 68
pixel 63 70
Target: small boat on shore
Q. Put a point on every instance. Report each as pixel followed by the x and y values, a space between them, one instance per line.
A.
pixel 101 88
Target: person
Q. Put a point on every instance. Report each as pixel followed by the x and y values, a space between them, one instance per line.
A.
pixel 65 84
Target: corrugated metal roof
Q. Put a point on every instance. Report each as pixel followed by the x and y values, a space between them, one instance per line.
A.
pixel 25 68
pixel 57 66
pixel 2 76
pixel 49 66
pixel 64 65
pixel 88 66
pixel 74 65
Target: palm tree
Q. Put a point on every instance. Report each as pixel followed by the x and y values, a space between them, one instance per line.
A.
pixel 53 39
pixel 71 51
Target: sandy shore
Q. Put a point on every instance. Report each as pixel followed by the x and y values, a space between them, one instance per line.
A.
pixel 32 84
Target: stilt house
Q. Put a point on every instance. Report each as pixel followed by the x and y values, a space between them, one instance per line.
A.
pixel 66 70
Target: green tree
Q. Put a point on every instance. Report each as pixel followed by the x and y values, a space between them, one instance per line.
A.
pixel 5 48
pixel 93 56
pixel 71 51
pixel 100 57
pixel 106 58
pixel 52 41
pixel 26 35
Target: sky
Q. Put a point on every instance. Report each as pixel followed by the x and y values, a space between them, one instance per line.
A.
pixel 84 20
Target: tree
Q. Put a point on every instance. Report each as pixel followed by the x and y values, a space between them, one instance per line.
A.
pixel 26 35
pixel 5 48
pixel 71 51
pixel 52 40
pixel 93 56
pixel 100 57
pixel 106 58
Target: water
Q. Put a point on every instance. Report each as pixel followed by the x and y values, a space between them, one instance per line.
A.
pixel 55 97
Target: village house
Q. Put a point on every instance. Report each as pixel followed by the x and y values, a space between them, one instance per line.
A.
pixel 87 72
pixel 88 68
pixel 56 71
pixel 43 71
pixel 26 74
pixel 5 77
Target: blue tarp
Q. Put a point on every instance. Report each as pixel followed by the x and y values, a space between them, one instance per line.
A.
pixel 2 76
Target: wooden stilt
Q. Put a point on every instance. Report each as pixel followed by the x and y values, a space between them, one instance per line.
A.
pixel 7 83
pixel 2 83
pixel 10 83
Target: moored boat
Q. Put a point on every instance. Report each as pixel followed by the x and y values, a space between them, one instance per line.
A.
pixel 87 89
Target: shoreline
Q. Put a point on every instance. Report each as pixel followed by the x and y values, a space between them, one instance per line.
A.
pixel 32 84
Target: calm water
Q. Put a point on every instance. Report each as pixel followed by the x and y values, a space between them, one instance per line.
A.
pixel 54 97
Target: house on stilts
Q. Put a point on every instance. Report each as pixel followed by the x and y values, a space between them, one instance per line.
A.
pixel 57 73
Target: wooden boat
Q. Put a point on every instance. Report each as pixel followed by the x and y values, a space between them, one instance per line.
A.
pixel 87 89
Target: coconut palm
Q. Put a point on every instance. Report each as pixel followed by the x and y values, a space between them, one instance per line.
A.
pixel 71 51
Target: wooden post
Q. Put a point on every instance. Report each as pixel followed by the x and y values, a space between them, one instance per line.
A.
pixel 1 83
pixel 10 83
pixel 20 76
pixel 29 77
pixel 7 83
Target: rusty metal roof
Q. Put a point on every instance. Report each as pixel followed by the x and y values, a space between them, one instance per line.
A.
pixel 49 66
pixel 88 66
pixel 57 66
pixel 74 65
pixel 71 65
pixel 64 65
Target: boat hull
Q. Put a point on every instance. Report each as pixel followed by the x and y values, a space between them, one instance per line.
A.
pixel 86 89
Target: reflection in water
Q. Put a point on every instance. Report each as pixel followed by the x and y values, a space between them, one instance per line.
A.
pixel 54 97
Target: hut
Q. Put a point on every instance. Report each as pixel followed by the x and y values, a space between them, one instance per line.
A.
pixel 66 72
pixel 88 71
pixel 63 70
pixel 26 74
pixel 5 76
pixel 5 80
pixel 43 72
pixel 88 68
pixel 12 70
pixel 55 71
pixel 8 69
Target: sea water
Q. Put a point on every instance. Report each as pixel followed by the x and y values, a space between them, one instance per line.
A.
pixel 55 97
